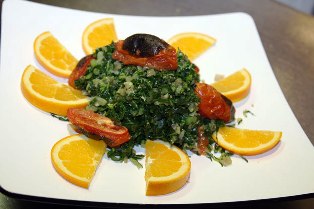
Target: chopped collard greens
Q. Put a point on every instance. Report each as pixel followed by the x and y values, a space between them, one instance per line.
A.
pixel 152 104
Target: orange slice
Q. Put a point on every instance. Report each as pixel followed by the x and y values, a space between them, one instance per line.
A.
pixel 49 95
pixel 98 34
pixel 192 44
pixel 167 168
pixel 52 55
pixel 76 158
pixel 246 142
pixel 235 86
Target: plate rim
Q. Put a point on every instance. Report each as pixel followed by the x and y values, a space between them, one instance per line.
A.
pixel 83 203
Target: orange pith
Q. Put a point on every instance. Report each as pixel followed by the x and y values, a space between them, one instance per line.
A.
pixel 49 95
pixel 77 157
pixel 52 55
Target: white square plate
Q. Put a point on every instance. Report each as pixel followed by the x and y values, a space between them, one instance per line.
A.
pixel 28 134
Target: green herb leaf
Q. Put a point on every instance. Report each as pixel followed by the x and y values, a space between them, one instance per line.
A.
pixel 243 158
pixel 239 120
pixel 246 112
pixel 224 159
pixel 62 118
pixel 136 163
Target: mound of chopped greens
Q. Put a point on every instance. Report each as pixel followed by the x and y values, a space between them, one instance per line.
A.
pixel 152 104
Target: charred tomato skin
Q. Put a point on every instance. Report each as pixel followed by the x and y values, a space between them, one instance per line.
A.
pixel 159 58
pixel 80 69
pixel 99 125
pixel 144 45
pixel 214 105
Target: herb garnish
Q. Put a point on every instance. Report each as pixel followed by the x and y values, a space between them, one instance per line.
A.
pixel 151 104
pixel 246 112
pixel 224 158
pixel 62 118
pixel 243 158
pixel 239 120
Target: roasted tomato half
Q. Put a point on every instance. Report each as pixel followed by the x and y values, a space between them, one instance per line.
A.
pixel 147 51
pixel 80 69
pixel 97 124
pixel 202 141
pixel 214 105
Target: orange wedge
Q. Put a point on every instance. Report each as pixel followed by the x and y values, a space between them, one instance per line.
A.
pixel 98 34
pixel 167 168
pixel 49 95
pixel 235 86
pixel 77 157
pixel 52 55
pixel 246 142
pixel 192 44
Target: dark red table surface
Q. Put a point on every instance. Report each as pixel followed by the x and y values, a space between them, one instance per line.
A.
pixel 287 36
